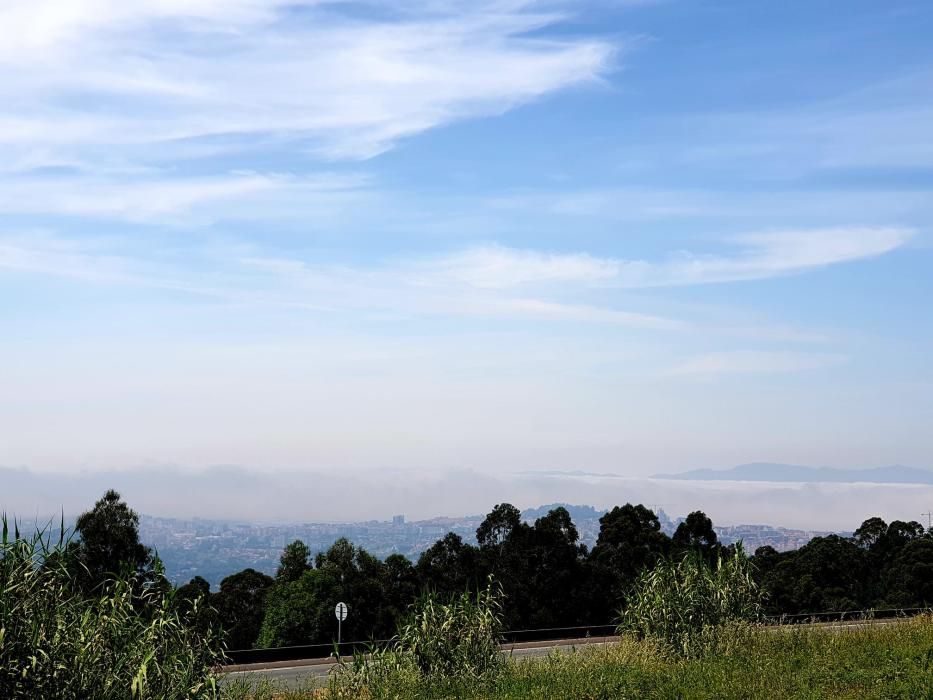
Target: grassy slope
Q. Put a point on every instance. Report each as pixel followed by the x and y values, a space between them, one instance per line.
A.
pixel 886 662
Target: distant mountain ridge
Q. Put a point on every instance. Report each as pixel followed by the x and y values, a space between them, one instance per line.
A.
pixel 766 471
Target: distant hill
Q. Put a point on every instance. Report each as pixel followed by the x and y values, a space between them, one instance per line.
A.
pixel 765 471
pixel 577 513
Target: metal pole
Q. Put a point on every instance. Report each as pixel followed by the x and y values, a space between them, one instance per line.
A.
pixel 339 632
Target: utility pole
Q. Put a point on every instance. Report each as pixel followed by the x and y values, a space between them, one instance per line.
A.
pixel 929 515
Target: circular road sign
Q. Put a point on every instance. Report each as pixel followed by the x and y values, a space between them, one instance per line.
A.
pixel 341 611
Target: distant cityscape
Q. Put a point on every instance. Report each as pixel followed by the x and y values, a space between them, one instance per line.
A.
pixel 214 549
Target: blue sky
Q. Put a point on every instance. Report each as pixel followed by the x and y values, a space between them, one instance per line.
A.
pixel 505 235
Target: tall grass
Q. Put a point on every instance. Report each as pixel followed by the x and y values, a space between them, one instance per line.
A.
pixel 441 640
pixel 119 644
pixel 878 662
pixel 681 604
pixel 459 637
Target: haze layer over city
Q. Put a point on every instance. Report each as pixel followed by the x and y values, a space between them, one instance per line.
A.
pixel 312 261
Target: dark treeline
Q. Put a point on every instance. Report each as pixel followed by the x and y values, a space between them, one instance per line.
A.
pixel 551 580
pixel 548 577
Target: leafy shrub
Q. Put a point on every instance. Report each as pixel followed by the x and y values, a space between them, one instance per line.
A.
pixel 684 604
pixel 456 638
pixel 57 643
pixel 441 641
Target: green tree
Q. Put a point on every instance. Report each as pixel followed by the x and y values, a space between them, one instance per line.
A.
pixel 555 572
pixel 197 587
pixel 301 611
pixel 109 543
pixel 870 533
pixel 240 606
pixel 908 580
pixel 295 560
pixel 505 551
pixel 630 540
pixel 696 532
pixel 498 527
pixel 900 533
pixel 883 540
pixel 448 566
pixel 828 574
pixel 400 585
pixel 361 585
pixel 193 602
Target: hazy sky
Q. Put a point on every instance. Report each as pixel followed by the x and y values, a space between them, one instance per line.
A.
pixel 490 235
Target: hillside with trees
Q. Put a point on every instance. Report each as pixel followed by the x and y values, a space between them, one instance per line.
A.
pixel 550 580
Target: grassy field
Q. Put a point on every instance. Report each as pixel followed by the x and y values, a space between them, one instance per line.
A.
pixel 894 661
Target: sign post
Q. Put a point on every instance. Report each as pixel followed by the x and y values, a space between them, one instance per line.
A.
pixel 340 612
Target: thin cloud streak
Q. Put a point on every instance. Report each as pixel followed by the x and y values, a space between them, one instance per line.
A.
pixel 168 200
pixel 488 282
pixel 759 256
pixel 342 86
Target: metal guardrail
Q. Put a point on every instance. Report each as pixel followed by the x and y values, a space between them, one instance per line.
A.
pixel 845 615
pixel 322 651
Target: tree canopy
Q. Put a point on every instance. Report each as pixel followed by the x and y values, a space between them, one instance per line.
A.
pixel 108 543
pixel 549 579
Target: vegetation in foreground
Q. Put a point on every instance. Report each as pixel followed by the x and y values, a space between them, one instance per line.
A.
pixel 67 635
pixel 688 633
pixel 683 604
pixel 883 662
pixel 96 618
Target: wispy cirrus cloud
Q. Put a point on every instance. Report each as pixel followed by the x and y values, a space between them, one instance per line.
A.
pixel 497 267
pixel 772 254
pixel 754 256
pixel 91 76
pixel 386 290
pixel 486 282
pixel 163 199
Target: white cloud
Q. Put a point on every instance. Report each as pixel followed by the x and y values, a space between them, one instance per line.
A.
pixel 89 76
pixel 759 256
pixel 382 291
pixel 487 282
pixel 38 252
pixel 497 267
pixel 162 198
pixel 425 289
pixel 772 254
